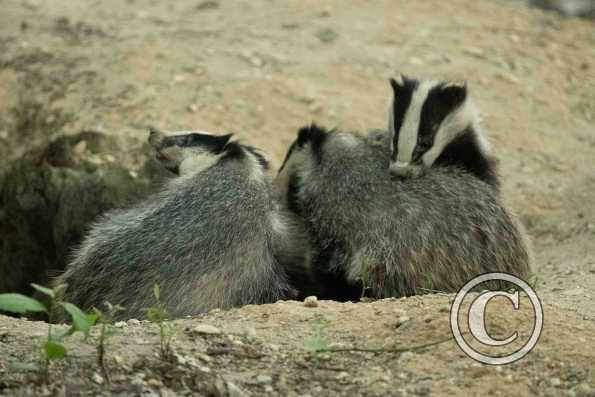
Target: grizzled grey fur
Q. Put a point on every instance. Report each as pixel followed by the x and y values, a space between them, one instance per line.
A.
pixel 213 238
pixel 389 235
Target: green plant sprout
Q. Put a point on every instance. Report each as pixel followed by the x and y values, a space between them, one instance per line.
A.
pixel 52 348
pixel 317 342
pixel 105 318
pixel 158 315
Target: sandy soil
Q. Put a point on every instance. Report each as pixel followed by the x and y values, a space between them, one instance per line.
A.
pixel 261 69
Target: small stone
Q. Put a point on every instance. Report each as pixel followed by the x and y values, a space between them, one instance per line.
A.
pixel 133 321
pixel 204 369
pixel 311 301
pixel 178 78
pixel 207 5
pixel 80 147
pixel 555 382
pixel 206 329
pixel 110 158
pixel 264 379
pixel 193 108
pixel 234 391
pixel 326 35
pixel 584 390
pixel 402 321
pixel 120 324
pixel 475 51
pixel 154 382
pixel 416 61
pixel 97 378
pixel 268 389
pixel 342 375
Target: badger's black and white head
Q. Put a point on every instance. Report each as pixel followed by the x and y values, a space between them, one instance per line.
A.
pixel 436 123
pixel 191 152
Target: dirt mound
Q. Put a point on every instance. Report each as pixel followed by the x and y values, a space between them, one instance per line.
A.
pixel 390 347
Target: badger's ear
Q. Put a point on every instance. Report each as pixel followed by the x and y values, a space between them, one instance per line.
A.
pixel 398 83
pixel 156 137
pixel 314 134
pixel 219 142
pixel 453 94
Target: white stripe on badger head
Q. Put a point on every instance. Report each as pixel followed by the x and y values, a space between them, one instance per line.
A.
pixel 453 124
pixel 410 127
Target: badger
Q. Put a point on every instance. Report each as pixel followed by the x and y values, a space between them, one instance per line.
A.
pixel 214 237
pixel 380 236
pixel 435 123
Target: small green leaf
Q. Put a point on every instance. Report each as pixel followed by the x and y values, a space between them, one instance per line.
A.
pixel 156 291
pixel 79 319
pixel 92 318
pixel 315 344
pixel 17 303
pixel 44 290
pixel 23 367
pixel 54 351
pixel 58 336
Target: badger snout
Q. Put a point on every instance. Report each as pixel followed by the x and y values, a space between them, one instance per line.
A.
pixel 402 169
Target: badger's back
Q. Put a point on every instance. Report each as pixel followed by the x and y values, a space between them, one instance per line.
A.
pixel 403 236
pixel 207 240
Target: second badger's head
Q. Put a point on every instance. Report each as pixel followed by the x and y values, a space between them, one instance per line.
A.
pixel 191 152
pixel 431 123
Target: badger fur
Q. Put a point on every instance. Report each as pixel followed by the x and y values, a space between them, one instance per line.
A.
pixel 213 238
pixel 437 123
pixel 391 236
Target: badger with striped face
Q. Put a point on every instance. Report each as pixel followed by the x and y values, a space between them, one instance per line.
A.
pixel 436 124
pixel 383 236
pixel 215 237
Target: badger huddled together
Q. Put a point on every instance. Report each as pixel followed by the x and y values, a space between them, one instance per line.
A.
pixel 408 210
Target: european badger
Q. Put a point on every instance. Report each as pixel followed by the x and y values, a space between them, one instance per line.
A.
pixel 436 124
pixel 213 238
pixel 394 236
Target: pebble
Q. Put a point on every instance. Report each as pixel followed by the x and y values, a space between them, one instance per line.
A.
pixel 264 379
pixel 120 324
pixel 193 108
pixel 555 382
pixel 584 390
pixel 234 391
pixel 326 35
pixel 133 321
pixel 80 147
pixel 206 329
pixel 97 378
pixel 311 301
pixel 401 321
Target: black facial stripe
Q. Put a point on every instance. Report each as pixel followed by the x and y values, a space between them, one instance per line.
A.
pixel 402 99
pixel 213 143
pixel 464 152
pixel 259 157
pixel 293 187
pixel 438 104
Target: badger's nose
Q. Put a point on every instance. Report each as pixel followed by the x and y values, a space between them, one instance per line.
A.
pixel 404 169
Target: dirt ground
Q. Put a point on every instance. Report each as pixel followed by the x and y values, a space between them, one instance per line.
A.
pixel 263 68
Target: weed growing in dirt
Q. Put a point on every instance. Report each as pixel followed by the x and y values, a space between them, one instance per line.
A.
pixel 53 349
pixel 106 319
pixel 158 315
pixel 318 341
